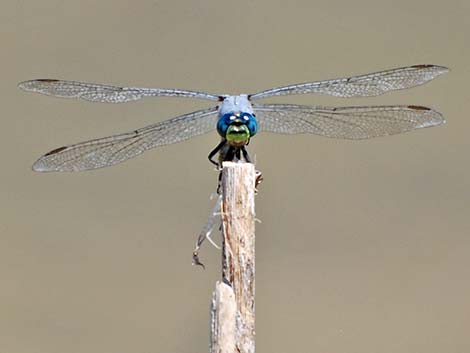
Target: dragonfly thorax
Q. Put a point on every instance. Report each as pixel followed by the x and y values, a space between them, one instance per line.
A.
pixel 238 103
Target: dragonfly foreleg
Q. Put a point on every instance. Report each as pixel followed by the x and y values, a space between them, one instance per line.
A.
pixel 215 151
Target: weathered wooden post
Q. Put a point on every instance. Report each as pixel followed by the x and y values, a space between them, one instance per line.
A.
pixel 233 303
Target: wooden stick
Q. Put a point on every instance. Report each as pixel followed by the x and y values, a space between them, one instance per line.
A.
pixel 223 318
pixel 238 258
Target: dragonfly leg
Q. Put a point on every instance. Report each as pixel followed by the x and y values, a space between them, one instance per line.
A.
pixel 258 174
pixel 246 155
pixel 229 155
pixel 238 154
pixel 215 151
pixel 219 184
pixel 258 179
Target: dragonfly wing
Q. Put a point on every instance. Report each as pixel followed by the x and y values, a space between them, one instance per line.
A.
pixel 344 122
pixel 115 149
pixel 105 93
pixel 363 86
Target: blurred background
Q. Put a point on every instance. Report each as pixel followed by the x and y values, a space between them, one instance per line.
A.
pixel 363 246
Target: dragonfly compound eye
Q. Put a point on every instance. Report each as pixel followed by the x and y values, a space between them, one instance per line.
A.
pixel 224 122
pixel 251 123
pixel 237 119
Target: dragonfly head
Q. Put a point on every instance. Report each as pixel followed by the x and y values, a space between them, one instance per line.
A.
pixel 237 128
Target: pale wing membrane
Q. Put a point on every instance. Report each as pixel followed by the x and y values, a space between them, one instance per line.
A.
pixel 344 122
pixel 94 92
pixel 115 149
pixel 362 86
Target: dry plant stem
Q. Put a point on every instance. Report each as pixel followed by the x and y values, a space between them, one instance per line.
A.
pixel 238 250
pixel 223 318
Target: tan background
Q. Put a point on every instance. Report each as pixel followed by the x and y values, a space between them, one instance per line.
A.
pixel 364 246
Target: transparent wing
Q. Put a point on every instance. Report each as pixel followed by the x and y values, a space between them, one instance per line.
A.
pixel 115 149
pixel 104 93
pixel 365 85
pixel 344 122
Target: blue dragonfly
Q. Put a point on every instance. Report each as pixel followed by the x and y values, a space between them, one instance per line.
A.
pixel 237 118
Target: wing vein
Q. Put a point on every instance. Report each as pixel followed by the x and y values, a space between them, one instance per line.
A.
pixel 114 149
pixel 356 122
pixel 373 84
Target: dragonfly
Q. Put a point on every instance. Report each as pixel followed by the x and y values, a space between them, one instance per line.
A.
pixel 237 118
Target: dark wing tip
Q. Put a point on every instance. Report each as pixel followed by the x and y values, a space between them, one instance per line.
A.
pixel 418 107
pixel 434 117
pixel 440 69
pixel 46 80
pixel 30 85
pixel 41 164
pixel 54 151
